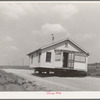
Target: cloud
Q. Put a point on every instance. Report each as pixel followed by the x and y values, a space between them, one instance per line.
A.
pixel 16 10
pixel 14 48
pixel 8 39
pixel 4 55
pixel 47 29
pixel 65 11
pixel 52 28
pixel 12 10
pixel 85 36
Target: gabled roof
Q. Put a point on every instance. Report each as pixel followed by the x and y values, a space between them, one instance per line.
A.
pixel 54 43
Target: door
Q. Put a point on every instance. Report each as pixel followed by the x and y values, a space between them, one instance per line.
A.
pixel 65 59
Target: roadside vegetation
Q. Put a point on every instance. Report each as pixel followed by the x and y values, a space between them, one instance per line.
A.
pixel 14 67
pixel 11 82
pixel 94 70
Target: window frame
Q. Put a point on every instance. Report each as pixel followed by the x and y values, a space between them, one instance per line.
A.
pixel 47 57
pixel 71 55
pixel 71 58
pixel 57 52
pixel 31 59
pixel 80 55
pixel 39 56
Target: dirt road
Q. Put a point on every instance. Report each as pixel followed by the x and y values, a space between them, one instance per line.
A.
pixel 60 83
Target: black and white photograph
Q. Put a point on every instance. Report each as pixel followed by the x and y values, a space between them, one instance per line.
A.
pixel 50 47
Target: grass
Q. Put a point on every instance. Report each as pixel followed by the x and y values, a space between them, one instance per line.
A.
pixel 14 67
pixel 94 70
pixel 12 82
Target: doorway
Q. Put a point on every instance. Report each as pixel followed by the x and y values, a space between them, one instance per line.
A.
pixel 65 59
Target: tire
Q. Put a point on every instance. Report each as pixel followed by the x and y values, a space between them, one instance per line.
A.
pixel 47 72
pixel 40 72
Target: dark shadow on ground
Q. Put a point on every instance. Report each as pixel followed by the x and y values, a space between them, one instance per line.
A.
pixel 63 74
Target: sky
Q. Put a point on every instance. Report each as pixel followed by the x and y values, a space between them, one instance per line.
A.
pixel 27 26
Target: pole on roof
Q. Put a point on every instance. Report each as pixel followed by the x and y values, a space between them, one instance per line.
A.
pixel 52 38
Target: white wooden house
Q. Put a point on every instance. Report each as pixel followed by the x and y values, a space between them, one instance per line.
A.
pixel 64 54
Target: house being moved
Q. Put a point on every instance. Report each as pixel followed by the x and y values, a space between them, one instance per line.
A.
pixel 64 54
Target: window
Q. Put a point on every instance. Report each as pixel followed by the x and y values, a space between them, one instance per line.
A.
pixel 32 59
pixel 58 56
pixel 39 58
pixel 70 64
pixel 71 60
pixel 71 56
pixel 80 58
pixel 48 57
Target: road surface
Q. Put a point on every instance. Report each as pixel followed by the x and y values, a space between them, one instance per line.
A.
pixel 60 83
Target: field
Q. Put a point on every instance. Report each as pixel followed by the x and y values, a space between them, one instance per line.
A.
pixel 14 67
pixel 57 83
pixel 94 70
pixel 20 78
pixel 12 82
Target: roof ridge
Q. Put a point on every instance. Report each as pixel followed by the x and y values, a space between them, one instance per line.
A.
pixel 47 45
pixel 53 43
